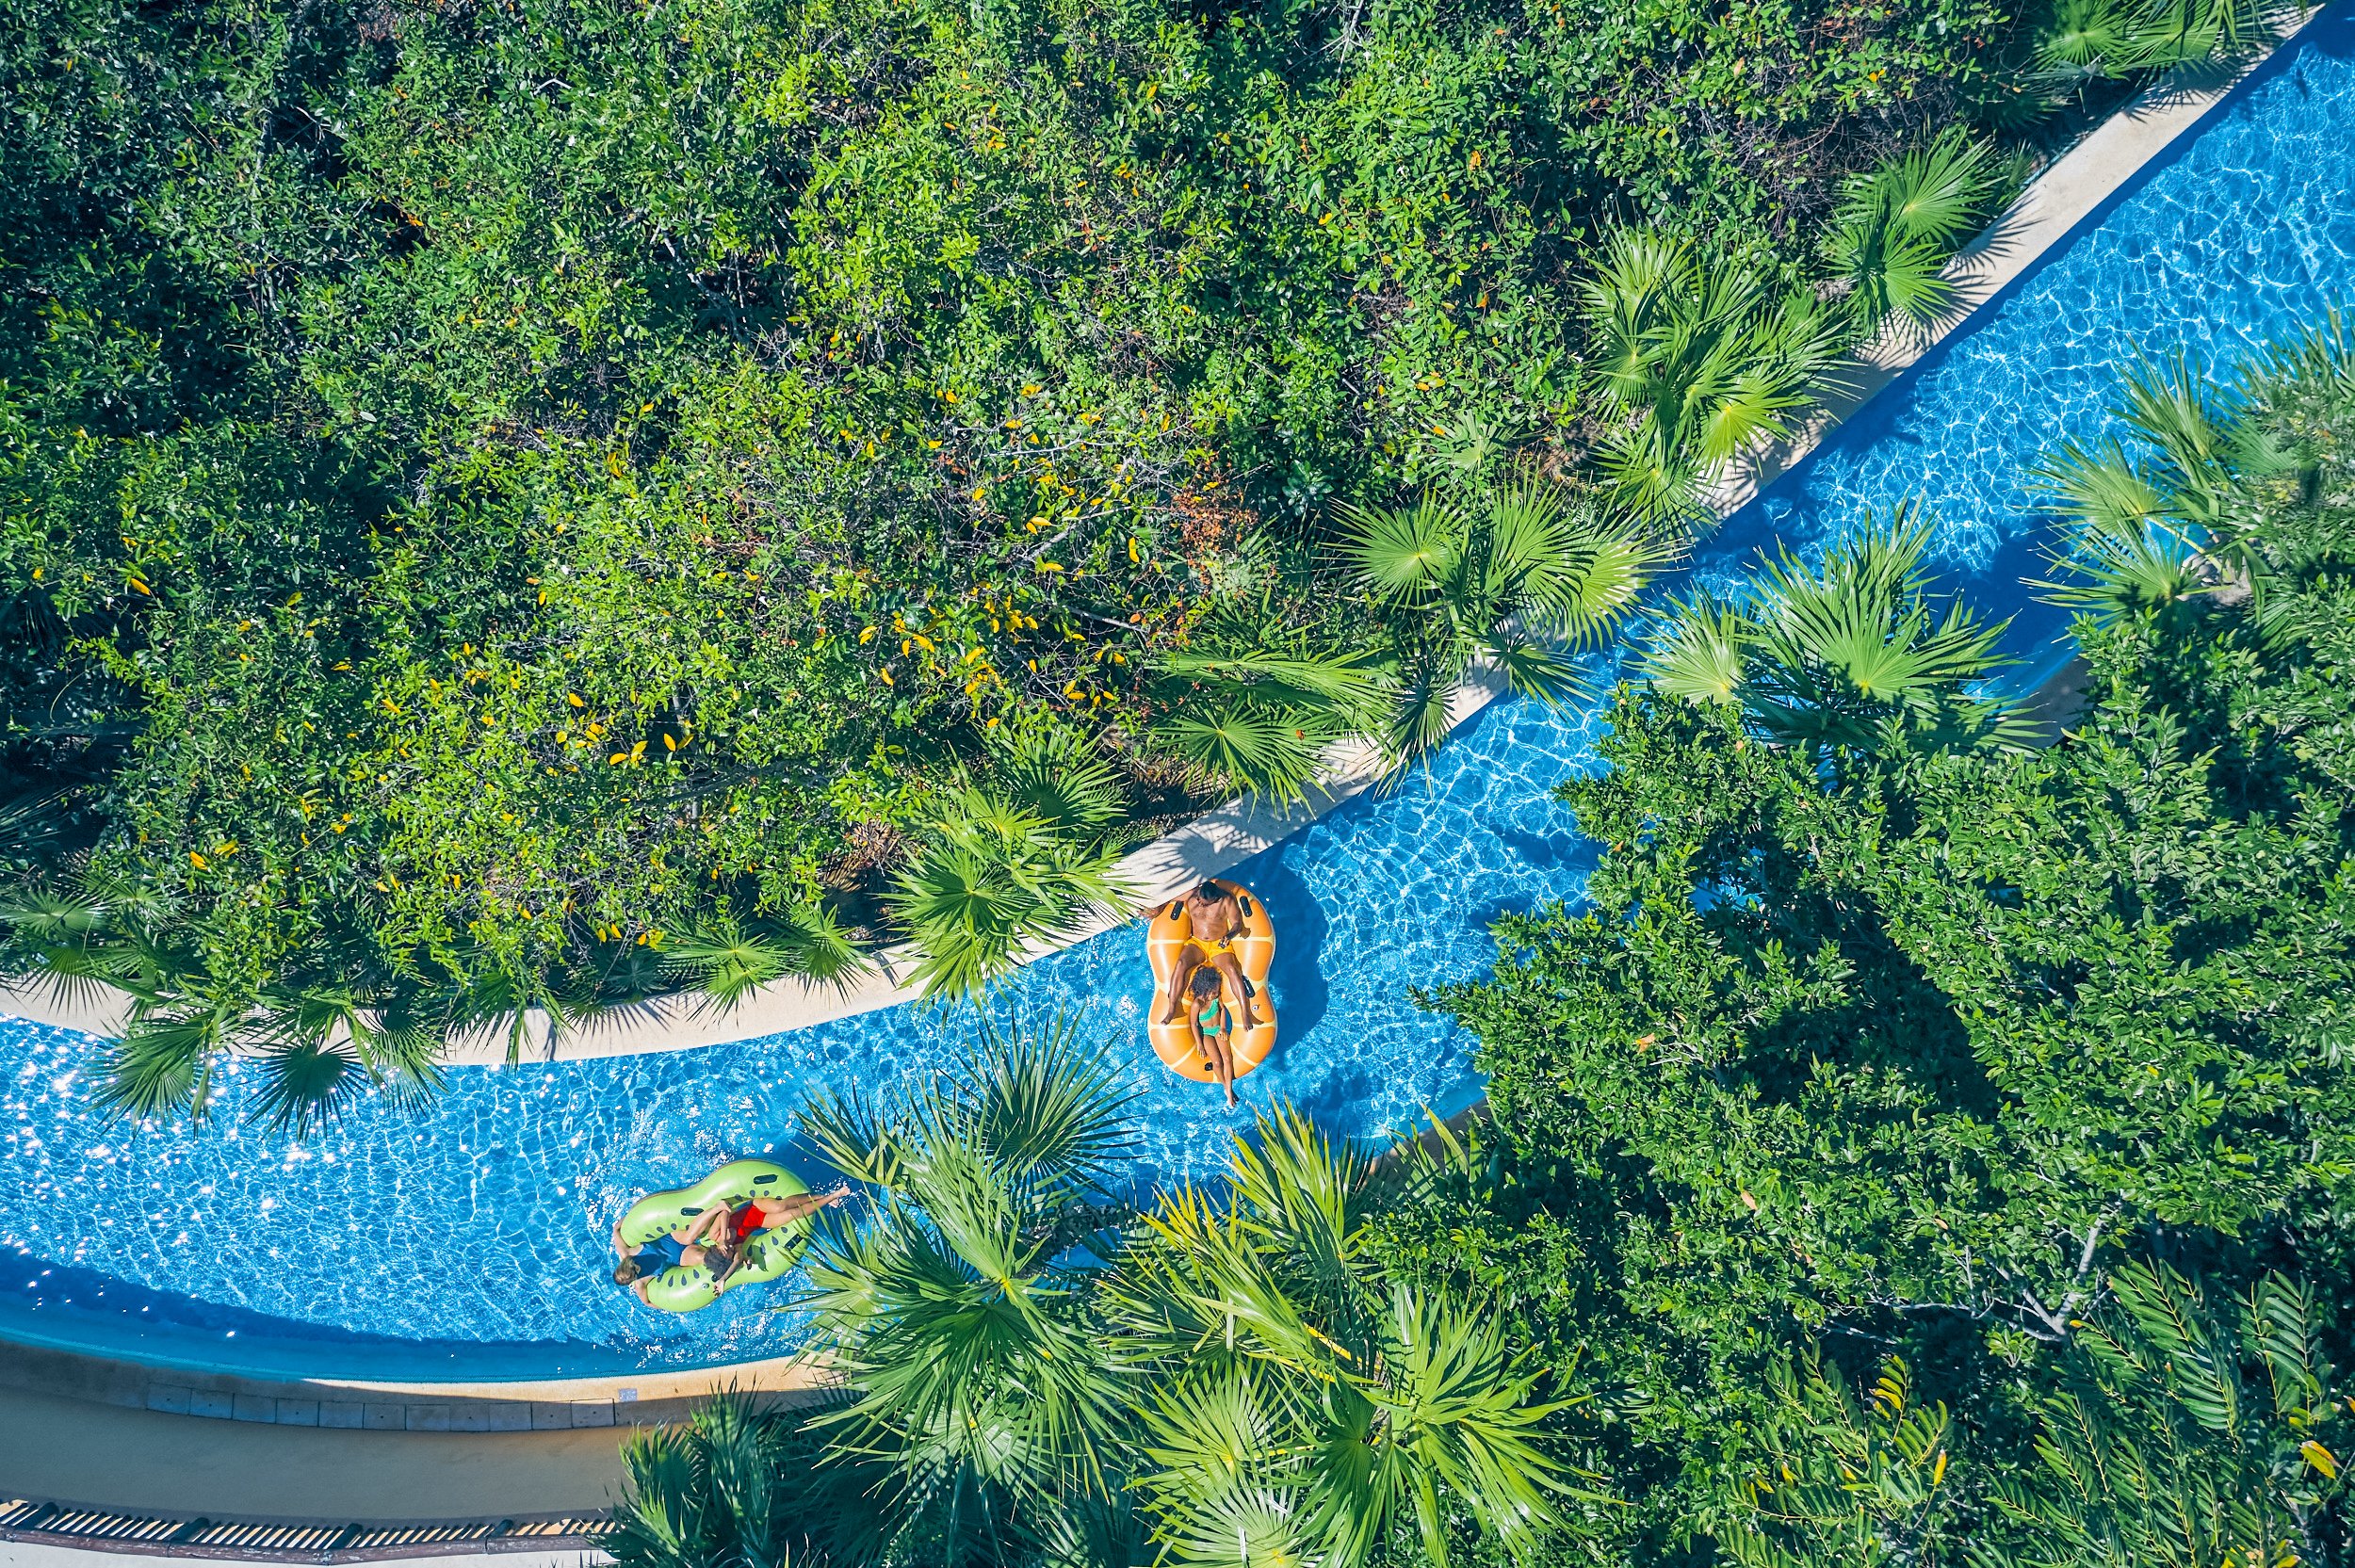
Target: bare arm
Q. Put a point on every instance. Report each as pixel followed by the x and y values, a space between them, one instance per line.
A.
pixel 707 1224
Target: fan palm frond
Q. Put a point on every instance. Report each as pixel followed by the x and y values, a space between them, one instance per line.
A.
pixel 969 1356
pixel 1264 753
pixel 728 959
pixel 1058 775
pixel 1403 554
pixel 1571 575
pixel 991 880
pixel 1897 225
pixel 1841 652
pixel 162 1065
pixel 1050 1113
pixel 1701 359
pixel 1694 653
pixel 305 1082
pixel 734 1484
pixel 2122 570
pixel 1306 1396
pixel 1854 656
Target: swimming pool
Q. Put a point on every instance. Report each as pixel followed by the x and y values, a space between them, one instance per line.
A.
pixel 468 1241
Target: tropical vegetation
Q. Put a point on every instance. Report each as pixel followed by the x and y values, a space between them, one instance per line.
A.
pixel 1927 1144
pixel 1032 1367
pixel 512 508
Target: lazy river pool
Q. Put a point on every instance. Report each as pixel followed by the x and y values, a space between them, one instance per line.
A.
pixel 466 1241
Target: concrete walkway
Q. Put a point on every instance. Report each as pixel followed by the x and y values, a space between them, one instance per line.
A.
pixel 26 1554
pixel 66 1450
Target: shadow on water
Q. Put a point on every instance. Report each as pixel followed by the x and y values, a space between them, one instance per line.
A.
pixel 1297 979
pixel 1561 860
pixel 1553 851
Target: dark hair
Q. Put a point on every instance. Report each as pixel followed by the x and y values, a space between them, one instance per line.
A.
pixel 1210 890
pixel 1202 973
pixel 626 1272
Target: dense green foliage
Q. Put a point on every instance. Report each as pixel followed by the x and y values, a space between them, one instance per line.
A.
pixel 1923 1147
pixel 1890 1043
pixel 494 493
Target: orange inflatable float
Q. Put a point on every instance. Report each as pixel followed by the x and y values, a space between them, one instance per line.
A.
pixel 1254 950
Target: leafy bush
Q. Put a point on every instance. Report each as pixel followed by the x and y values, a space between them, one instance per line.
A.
pixel 1863 1048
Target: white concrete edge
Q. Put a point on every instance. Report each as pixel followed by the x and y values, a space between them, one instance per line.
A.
pixel 2050 205
pixel 32 1554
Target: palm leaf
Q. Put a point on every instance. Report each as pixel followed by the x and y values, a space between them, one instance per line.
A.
pixel 1403 555
pixel 1058 775
pixel 1265 752
pixel 159 1066
pixel 1695 655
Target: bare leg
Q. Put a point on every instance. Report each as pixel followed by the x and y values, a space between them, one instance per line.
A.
pixel 1221 1052
pixel 800 1205
pixel 1237 987
pixel 1189 960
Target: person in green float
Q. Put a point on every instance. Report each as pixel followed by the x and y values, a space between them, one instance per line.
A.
pixel 716 1237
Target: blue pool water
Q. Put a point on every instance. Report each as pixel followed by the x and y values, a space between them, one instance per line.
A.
pixel 468 1240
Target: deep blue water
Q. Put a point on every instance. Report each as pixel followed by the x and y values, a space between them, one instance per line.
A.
pixel 468 1239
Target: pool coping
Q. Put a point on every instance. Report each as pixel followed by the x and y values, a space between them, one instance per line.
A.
pixel 2046 211
pixel 360 1404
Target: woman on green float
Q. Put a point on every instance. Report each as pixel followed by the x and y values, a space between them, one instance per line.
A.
pixel 743 1224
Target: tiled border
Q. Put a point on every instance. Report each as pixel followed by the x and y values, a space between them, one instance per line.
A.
pixel 359 1406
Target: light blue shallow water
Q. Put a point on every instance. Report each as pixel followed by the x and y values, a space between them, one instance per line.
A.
pixel 468 1240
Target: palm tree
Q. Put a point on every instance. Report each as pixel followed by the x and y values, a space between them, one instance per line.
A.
pixel 1261 720
pixel 960 1316
pixel 2092 41
pixel 1027 857
pixel 738 1484
pixel 1302 1408
pixel 1897 226
pixel 2156 531
pixel 727 958
pixel 992 880
pixel 1704 361
pixel 333 1022
pixel 1853 657
pixel 1516 577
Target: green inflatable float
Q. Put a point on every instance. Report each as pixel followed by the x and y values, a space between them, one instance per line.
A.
pixel 769 1253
